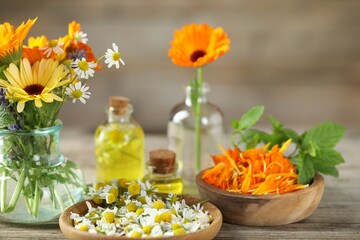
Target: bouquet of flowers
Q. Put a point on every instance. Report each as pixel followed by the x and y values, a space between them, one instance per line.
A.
pixel 35 80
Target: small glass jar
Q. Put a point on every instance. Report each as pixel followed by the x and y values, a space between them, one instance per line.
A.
pixel 181 133
pixel 119 144
pixel 161 172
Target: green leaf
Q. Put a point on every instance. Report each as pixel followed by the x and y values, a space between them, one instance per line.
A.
pixel 310 149
pixel 289 133
pixel 6 118
pixel 276 124
pixel 306 171
pixel 250 117
pixel 2 75
pixel 328 170
pixel 327 157
pixel 297 160
pixel 325 135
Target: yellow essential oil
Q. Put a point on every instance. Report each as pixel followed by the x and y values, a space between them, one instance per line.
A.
pixel 162 172
pixel 166 185
pixel 119 144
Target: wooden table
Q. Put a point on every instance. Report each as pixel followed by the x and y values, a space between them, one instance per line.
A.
pixel 337 217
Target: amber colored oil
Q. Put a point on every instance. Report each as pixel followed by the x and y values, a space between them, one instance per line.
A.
pixel 119 151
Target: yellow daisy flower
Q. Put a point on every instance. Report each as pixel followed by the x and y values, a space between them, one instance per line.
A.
pixel 34 83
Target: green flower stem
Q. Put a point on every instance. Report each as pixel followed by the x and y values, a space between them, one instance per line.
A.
pixel 58 198
pixel 69 194
pixel 28 205
pixel 15 197
pixel 3 192
pixel 35 206
pixel 198 122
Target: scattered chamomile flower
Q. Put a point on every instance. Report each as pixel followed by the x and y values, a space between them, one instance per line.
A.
pixel 78 91
pixel 54 46
pixel 80 37
pixel 84 69
pixel 113 57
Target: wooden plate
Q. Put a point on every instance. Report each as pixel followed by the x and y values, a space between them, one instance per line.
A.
pixel 263 210
pixel 68 229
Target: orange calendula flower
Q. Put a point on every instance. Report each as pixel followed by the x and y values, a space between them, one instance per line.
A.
pixel 10 39
pixel 76 47
pixel 33 51
pixel 198 45
pixel 254 171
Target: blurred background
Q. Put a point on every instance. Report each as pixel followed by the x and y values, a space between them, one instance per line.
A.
pixel 300 59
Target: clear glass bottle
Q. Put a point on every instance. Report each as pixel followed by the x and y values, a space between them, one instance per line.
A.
pixel 161 172
pixel 181 133
pixel 119 144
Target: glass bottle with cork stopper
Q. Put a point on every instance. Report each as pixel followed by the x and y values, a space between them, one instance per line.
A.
pixel 119 143
pixel 161 171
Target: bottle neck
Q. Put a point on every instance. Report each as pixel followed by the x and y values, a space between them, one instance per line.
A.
pixel 201 94
pixel 119 115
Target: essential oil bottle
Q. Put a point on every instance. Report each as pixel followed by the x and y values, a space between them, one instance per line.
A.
pixel 119 144
pixel 161 172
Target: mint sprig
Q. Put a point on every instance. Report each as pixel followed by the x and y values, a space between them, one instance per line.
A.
pixel 314 149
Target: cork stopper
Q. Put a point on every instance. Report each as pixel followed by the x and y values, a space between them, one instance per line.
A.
pixel 119 104
pixel 163 161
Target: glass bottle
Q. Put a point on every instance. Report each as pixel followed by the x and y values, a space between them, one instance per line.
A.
pixel 119 144
pixel 161 172
pixel 181 133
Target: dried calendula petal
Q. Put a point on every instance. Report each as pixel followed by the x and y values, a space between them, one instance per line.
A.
pixel 255 171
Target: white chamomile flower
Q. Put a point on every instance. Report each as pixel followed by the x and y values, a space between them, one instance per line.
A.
pixel 80 37
pixel 113 57
pixel 146 188
pixel 77 91
pixel 53 46
pixel 83 68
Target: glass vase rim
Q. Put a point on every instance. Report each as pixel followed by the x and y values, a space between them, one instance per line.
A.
pixel 37 131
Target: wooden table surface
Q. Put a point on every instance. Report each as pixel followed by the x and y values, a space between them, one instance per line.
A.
pixel 337 217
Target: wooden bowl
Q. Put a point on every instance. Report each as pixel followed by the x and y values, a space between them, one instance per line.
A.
pixel 263 210
pixel 68 229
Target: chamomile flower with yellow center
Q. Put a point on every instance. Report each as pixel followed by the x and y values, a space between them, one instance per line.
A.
pixel 84 69
pixel 113 57
pixel 80 36
pixel 54 46
pixel 78 91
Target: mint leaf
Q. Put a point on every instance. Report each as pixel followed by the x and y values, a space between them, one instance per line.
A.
pixel 328 157
pixel 328 170
pixel 306 171
pixel 276 124
pixel 325 135
pixel 6 118
pixel 289 133
pixel 253 137
pixel 250 117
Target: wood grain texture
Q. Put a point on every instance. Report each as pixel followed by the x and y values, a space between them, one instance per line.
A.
pixel 337 216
